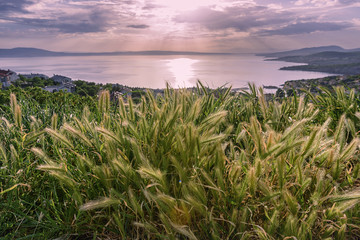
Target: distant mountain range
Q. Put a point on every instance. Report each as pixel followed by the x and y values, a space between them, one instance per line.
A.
pixel 308 51
pixel 36 52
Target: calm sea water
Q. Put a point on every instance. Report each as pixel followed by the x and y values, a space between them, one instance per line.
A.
pixel 155 71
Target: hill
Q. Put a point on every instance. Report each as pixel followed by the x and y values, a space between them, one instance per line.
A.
pixel 36 52
pixel 330 62
pixel 348 82
pixel 304 51
pixel 325 58
pixel 28 52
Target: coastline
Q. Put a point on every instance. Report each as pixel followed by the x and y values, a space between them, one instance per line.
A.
pixel 155 71
pixel 339 63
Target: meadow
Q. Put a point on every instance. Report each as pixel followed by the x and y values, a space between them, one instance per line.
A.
pixel 188 164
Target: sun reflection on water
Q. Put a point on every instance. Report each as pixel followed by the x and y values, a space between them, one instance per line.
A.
pixel 183 71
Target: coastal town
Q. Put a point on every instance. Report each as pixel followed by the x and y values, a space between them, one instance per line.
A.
pixel 9 77
pixel 58 83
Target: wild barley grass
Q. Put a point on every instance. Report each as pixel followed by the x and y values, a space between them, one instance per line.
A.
pixel 202 164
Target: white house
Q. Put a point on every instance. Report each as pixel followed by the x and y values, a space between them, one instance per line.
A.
pixel 7 77
pixel 67 86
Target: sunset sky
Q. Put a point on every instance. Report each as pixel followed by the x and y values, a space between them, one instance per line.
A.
pixel 191 25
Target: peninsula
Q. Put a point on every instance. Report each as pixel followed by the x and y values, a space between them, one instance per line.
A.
pixel 331 59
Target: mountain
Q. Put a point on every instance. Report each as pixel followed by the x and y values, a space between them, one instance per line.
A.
pixel 328 59
pixel 28 52
pixel 36 52
pixel 304 51
pixel 329 62
pixel 324 58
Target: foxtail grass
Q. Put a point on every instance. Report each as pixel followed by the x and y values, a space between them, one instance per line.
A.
pixel 202 164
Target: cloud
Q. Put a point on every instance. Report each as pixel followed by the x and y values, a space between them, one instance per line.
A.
pixel 138 26
pixel 261 21
pixel 306 28
pixel 325 3
pixel 318 3
pixel 15 6
pixel 67 16
pixel 151 6
pixel 237 18
pixel 94 20
pixel 218 23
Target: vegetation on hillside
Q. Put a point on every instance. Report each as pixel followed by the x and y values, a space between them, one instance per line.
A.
pixel 350 69
pixel 82 88
pixel 325 58
pixel 328 62
pixel 328 83
pixel 34 82
pixel 199 164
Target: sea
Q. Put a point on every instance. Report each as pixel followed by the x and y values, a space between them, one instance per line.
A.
pixel 154 72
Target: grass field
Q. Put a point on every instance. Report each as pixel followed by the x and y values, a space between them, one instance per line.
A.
pixel 202 164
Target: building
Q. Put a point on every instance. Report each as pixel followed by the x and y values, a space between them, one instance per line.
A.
pixel 61 79
pixel 7 77
pixel 67 86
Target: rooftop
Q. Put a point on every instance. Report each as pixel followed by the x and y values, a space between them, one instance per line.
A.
pixel 4 73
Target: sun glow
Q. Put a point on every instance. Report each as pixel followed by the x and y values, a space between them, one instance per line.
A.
pixel 185 5
pixel 183 71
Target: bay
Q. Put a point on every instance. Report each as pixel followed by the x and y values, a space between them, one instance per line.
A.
pixel 155 71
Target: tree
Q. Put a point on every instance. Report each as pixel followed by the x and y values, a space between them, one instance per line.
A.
pixel 280 93
pixel 290 92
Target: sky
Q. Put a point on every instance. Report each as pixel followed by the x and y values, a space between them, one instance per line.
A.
pixel 244 26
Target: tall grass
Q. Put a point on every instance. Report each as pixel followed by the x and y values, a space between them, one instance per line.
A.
pixel 202 164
